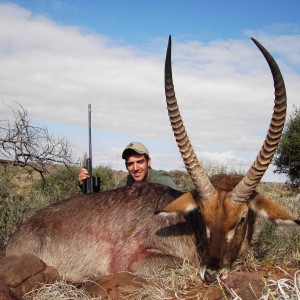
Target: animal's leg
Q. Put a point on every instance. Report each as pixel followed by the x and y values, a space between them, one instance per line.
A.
pixel 154 263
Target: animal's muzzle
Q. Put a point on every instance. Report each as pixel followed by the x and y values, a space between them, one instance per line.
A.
pixel 211 275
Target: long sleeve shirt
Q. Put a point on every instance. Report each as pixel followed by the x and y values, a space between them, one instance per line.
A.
pixel 155 176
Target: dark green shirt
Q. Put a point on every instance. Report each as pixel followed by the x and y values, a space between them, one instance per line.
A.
pixel 155 176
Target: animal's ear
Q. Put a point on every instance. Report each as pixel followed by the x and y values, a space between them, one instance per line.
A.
pixel 183 204
pixel 272 211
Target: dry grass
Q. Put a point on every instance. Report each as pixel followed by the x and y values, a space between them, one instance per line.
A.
pixel 58 291
pixel 182 282
pixel 282 289
pixel 278 245
pixel 285 288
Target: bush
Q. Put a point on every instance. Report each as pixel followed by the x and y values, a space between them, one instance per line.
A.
pixel 6 185
pixel 13 211
pixel 13 207
pixel 287 157
pixel 278 245
pixel 106 174
pixel 59 183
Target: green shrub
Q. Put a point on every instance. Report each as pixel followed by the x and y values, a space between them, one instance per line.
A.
pixel 6 185
pixel 106 174
pixel 12 207
pixel 13 211
pixel 58 184
pixel 277 245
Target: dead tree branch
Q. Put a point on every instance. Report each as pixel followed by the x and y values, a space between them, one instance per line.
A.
pixel 30 146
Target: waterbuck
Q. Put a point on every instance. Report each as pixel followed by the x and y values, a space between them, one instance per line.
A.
pixel 144 227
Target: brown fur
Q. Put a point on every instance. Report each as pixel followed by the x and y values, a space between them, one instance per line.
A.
pixel 107 232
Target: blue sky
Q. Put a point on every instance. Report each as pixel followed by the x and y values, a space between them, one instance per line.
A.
pixel 58 56
pixel 137 22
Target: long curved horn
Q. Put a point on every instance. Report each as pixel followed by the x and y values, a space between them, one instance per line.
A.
pixel 247 185
pixel 195 170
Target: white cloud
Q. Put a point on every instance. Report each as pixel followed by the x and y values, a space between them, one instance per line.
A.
pixel 224 88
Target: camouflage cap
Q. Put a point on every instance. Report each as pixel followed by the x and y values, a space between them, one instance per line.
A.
pixel 136 147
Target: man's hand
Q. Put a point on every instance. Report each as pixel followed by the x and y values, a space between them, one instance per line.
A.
pixel 83 174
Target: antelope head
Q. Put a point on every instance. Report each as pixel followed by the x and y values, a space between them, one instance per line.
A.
pixel 227 207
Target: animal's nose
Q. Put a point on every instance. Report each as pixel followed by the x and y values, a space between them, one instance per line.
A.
pixel 211 275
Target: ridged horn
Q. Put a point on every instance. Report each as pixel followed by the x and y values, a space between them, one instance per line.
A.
pixel 194 168
pixel 247 185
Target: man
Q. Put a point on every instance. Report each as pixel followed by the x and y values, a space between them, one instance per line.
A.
pixel 138 165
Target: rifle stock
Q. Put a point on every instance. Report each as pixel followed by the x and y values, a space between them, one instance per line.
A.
pixel 92 183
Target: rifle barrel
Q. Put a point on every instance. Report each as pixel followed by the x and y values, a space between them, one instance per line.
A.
pixel 90 141
pixel 92 183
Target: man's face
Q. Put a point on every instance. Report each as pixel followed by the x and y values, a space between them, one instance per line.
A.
pixel 138 166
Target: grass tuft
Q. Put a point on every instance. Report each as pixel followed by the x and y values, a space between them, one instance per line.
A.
pixel 58 291
pixel 182 282
pixel 285 288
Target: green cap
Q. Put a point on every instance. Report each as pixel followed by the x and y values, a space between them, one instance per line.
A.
pixel 136 147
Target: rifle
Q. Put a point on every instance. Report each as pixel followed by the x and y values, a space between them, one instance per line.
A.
pixel 92 183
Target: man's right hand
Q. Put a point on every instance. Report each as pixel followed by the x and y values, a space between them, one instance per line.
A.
pixel 83 174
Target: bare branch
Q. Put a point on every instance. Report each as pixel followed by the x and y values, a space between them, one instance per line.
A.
pixel 31 146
